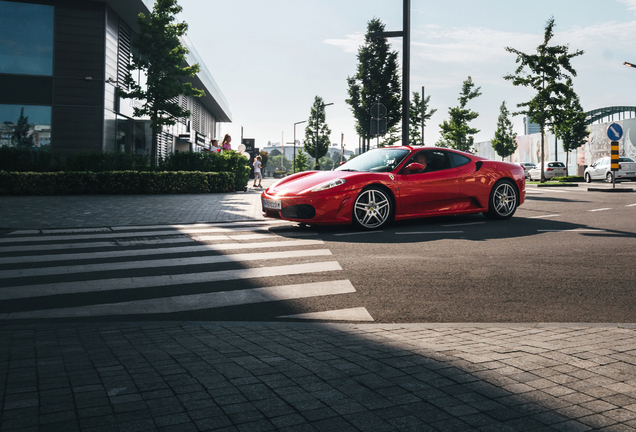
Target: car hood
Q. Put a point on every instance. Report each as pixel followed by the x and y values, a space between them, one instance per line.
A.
pixel 304 182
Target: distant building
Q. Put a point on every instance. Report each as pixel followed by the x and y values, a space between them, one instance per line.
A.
pixel 530 128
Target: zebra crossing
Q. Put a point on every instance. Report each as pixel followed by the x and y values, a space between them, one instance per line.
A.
pixel 206 271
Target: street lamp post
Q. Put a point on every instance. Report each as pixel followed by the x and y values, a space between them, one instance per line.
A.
pixel 317 165
pixel 294 161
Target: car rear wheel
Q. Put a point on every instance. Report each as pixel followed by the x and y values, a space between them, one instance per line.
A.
pixel 503 200
pixel 372 209
pixel 609 177
pixel 588 178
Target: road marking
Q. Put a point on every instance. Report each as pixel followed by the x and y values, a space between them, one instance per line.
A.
pixel 196 301
pixel 544 216
pixel 352 314
pixel 572 230
pixel 630 205
pixel 464 224
pixel 161 263
pixel 358 233
pixel 430 232
pixel 197 225
pixel 160 251
pixel 100 285
pixel 601 209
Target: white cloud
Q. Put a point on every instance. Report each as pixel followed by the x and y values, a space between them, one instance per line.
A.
pixel 631 4
pixel 350 44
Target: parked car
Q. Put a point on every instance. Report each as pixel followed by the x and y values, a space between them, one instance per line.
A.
pixel 527 166
pixel 601 170
pixel 398 183
pixel 551 169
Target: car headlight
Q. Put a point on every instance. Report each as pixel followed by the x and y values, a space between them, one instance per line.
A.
pixel 328 185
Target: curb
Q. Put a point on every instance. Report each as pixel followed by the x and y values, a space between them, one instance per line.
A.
pixel 558 185
pixel 610 190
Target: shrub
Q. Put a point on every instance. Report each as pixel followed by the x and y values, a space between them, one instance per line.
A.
pixel 114 182
pixel 568 179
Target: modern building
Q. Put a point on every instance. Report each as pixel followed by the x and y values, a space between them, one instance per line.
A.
pixel 530 128
pixel 61 62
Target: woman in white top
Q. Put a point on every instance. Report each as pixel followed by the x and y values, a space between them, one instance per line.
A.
pixel 257 171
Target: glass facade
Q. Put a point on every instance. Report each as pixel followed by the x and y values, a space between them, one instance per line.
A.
pixel 25 125
pixel 26 38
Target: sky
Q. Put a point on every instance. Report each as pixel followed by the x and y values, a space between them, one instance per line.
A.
pixel 271 58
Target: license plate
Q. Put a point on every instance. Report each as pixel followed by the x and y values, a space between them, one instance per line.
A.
pixel 271 204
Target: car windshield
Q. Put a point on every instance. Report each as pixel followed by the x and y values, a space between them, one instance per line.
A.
pixel 625 159
pixel 378 160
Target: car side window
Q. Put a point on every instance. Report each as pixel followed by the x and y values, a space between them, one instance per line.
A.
pixel 458 160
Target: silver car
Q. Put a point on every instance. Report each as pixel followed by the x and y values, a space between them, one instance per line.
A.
pixel 551 169
pixel 527 166
pixel 601 170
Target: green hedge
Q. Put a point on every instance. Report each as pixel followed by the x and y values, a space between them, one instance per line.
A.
pixel 115 182
pixel 568 179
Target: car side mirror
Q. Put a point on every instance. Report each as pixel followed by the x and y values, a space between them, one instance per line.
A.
pixel 413 167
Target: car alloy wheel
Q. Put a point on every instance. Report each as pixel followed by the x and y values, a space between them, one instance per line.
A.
pixel 503 200
pixel 372 208
pixel 609 177
pixel 588 178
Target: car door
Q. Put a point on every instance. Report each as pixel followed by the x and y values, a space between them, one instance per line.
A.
pixel 602 168
pixel 430 192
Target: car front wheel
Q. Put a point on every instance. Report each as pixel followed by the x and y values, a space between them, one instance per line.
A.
pixel 588 178
pixel 503 200
pixel 372 209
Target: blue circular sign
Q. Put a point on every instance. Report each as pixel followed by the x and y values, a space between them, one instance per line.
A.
pixel 614 132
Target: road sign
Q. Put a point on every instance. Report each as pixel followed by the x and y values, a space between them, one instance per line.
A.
pixel 378 111
pixel 614 132
pixel 614 158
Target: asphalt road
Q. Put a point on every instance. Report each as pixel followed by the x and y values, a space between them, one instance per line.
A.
pixel 566 256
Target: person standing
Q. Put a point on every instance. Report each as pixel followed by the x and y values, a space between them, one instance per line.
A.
pixel 225 144
pixel 257 172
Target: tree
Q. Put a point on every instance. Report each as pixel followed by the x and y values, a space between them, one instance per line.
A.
pixel 376 80
pixel 275 152
pixel 572 128
pixel 549 70
pixel 317 114
pixel 504 142
pixel 326 164
pixel 393 136
pixel 22 136
pixel 416 119
pixel 455 133
pixel 161 57
pixel 301 161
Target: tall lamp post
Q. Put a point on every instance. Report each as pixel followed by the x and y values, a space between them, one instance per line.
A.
pixel 294 161
pixel 317 165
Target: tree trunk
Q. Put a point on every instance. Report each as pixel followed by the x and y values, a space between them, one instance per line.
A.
pixel 542 153
pixel 567 162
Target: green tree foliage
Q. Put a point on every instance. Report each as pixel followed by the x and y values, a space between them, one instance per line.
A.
pixel 547 73
pixel 161 57
pixel 317 114
pixel 326 164
pixel 504 142
pixel 301 162
pixel 376 80
pixel 572 128
pixel 393 137
pixel 418 106
pixel 275 152
pixel 455 133
pixel 22 136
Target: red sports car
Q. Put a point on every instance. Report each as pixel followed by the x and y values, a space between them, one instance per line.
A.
pixel 398 183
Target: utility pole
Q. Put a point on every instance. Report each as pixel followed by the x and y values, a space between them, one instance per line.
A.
pixel 405 34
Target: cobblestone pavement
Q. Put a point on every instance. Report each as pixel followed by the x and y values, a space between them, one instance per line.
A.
pixel 79 211
pixel 317 377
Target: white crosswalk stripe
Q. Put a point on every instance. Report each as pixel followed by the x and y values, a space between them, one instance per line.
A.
pixel 169 269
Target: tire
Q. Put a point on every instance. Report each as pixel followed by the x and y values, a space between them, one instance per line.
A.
pixel 609 177
pixel 588 178
pixel 503 200
pixel 373 208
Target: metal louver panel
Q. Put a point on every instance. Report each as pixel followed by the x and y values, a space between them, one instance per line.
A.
pixel 123 53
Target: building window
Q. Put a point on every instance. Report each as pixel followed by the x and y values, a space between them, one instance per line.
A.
pixel 25 126
pixel 26 39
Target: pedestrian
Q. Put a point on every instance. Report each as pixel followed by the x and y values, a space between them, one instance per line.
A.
pixel 214 145
pixel 257 171
pixel 225 144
